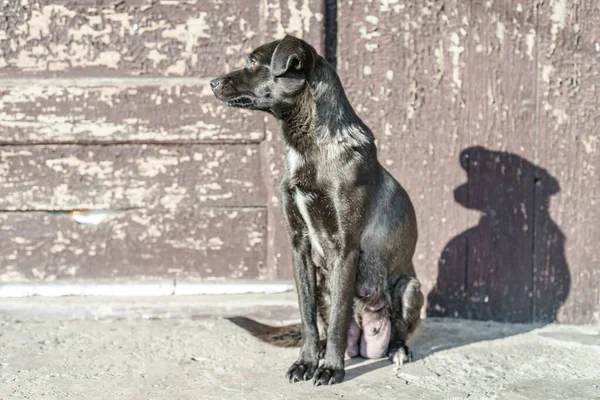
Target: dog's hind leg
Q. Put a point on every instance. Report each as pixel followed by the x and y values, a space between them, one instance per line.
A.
pixel 405 317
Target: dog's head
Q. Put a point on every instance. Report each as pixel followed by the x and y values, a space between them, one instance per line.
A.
pixel 273 77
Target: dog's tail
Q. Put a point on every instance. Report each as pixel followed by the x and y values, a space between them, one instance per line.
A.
pixel 280 336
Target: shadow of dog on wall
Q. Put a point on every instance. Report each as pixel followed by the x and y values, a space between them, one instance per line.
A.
pixel 511 266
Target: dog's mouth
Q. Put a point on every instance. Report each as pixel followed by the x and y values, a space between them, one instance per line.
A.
pixel 239 101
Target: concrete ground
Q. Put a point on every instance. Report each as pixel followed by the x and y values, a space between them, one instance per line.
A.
pixel 182 348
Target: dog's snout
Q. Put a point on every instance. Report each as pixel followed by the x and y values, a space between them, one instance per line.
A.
pixel 215 83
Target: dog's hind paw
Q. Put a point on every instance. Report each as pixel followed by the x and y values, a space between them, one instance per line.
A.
pixel 400 356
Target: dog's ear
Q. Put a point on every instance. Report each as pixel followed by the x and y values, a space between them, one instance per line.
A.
pixel 292 54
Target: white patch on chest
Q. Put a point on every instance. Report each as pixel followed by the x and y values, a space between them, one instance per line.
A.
pixel 302 202
pixel 294 160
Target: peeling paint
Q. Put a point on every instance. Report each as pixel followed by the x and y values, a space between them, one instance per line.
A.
pixel 164 37
pixel 299 17
pixel 530 43
pixel 371 46
pixel 560 115
pixel 456 50
pixel 298 23
pixel 189 33
pixel 500 31
pixel 42 111
pixel 372 19
pixel 590 143
pixel 547 71
pixel 66 177
pixel 186 242
pixel 558 18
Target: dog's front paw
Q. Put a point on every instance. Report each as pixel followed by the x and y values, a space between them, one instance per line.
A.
pixel 400 356
pixel 301 371
pixel 328 376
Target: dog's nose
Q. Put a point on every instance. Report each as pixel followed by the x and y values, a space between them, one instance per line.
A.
pixel 215 83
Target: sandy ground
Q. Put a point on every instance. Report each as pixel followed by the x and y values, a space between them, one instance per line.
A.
pixel 182 348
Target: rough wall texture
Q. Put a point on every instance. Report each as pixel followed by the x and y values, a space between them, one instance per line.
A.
pixel 105 106
pixel 184 242
pixel 120 110
pixel 51 177
pixel 486 111
pixel 568 70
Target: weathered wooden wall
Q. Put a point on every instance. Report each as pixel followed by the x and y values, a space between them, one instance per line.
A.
pixel 486 111
pixel 105 105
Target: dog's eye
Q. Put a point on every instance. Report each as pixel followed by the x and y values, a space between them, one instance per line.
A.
pixel 252 63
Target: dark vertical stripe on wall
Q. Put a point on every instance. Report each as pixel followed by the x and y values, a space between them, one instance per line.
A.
pixel 331 32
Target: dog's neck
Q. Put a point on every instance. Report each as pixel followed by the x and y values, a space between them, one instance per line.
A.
pixel 298 120
pixel 323 115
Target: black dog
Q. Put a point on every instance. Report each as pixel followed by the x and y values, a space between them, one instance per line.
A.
pixel 352 227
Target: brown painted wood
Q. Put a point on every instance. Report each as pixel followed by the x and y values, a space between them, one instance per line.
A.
pixel 499 91
pixel 129 72
pixel 396 63
pixel 120 110
pixel 506 233
pixel 484 57
pixel 134 37
pixel 569 149
pixel 189 242
pixel 129 176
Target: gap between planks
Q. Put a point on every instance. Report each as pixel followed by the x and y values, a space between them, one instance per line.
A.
pixel 171 143
pixel 142 288
pixel 124 210
pixel 101 82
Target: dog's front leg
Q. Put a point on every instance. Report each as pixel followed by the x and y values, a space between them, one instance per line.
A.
pixel 343 284
pixel 305 277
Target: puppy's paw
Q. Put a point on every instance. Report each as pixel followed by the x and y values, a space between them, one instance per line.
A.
pixel 328 376
pixel 400 356
pixel 301 371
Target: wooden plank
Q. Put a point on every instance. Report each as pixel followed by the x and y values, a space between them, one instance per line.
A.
pixel 133 37
pixel 189 242
pixel 499 92
pixel 122 177
pixel 120 110
pixel 400 66
pixel 567 218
